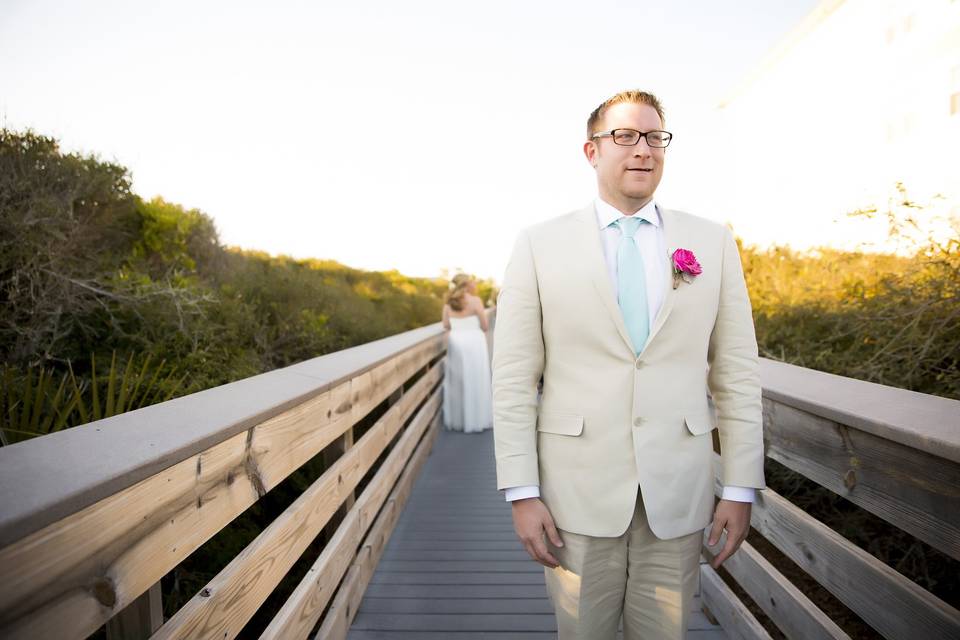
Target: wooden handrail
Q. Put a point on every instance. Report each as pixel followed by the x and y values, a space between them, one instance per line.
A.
pixel 234 595
pixel 918 420
pixel 893 452
pixel 99 459
pixel 92 517
pixel 81 544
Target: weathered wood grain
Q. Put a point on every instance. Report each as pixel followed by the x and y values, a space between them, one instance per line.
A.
pixel 303 608
pixel 140 619
pixel 336 623
pixel 737 621
pixel 916 491
pixel 69 578
pixel 917 420
pixel 228 601
pixel 886 600
pixel 784 604
pixel 50 478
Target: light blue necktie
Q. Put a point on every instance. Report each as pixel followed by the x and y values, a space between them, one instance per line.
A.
pixel 632 283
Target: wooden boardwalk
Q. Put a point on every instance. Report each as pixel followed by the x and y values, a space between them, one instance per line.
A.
pixel 454 568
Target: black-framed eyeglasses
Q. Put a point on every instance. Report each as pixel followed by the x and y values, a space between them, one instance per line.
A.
pixel 629 137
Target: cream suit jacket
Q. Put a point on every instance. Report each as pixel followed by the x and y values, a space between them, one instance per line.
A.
pixel 610 422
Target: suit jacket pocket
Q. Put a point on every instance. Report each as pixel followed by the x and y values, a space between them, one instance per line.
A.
pixel 565 424
pixel 699 423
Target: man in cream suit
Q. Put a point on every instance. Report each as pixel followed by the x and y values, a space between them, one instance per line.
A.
pixel 610 471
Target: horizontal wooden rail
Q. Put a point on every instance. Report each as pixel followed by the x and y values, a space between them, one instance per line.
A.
pixel 97 460
pixel 886 600
pixel 793 612
pixel 912 489
pixel 920 421
pixel 337 622
pixel 733 615
pixel 226 604
pixel 81 548
pixel 91 518
pixel 303 608
pixel 894 453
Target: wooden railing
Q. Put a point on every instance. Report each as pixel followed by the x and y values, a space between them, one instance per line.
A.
pixel 92 517
pixel 893 452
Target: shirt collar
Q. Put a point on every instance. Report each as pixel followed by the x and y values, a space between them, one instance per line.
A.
pixel 607 214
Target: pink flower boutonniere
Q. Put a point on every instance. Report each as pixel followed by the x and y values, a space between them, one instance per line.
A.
pixel 684 263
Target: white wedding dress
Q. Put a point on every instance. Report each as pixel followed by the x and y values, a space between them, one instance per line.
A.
pixel 467 399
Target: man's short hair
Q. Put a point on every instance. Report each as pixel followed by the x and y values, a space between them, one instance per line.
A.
pixel 635 96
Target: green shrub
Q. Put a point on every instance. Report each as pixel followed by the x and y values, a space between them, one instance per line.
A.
pixel 39 401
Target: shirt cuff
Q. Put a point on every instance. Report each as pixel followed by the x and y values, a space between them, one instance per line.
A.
pixel 739 494
pixel 520 493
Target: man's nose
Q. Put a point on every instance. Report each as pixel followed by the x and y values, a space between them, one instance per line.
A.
pixel 641 148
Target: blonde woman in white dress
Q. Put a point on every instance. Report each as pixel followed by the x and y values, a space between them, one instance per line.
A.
pixel 467 399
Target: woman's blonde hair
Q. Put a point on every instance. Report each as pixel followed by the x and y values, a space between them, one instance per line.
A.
pixel 457 292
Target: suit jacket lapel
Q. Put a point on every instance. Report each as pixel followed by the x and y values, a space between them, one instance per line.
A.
pixel 671 236
pixel 592 250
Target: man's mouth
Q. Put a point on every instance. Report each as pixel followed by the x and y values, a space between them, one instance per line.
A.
pixel 639 169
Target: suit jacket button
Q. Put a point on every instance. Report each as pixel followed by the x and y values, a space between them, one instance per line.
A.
pixel 637 422
pixel 639 364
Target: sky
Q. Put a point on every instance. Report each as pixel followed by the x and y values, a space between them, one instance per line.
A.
pixel 420 135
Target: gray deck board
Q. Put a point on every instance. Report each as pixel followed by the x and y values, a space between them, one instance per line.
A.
pixel 457 578
pixel 454 569
pixel 454 591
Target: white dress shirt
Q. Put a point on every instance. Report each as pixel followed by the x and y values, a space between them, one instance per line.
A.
pixel 650 241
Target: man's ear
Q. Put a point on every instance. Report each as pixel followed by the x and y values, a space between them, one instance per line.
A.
pixel 591 151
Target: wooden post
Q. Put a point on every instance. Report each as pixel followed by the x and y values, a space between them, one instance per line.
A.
pixel 347 439
pixel 395 396
pixel 140 619
pixel 330 455
pixel 333 452
pixel 709 615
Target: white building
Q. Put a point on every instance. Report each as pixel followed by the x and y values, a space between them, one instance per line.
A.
pixel 859 96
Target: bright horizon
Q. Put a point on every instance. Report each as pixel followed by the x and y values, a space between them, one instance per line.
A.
pixel 378 137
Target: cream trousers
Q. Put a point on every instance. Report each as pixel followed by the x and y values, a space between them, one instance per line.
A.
pixel 649 581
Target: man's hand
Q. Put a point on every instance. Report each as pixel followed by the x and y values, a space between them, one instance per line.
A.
pixel 531 519
pixel 735 518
